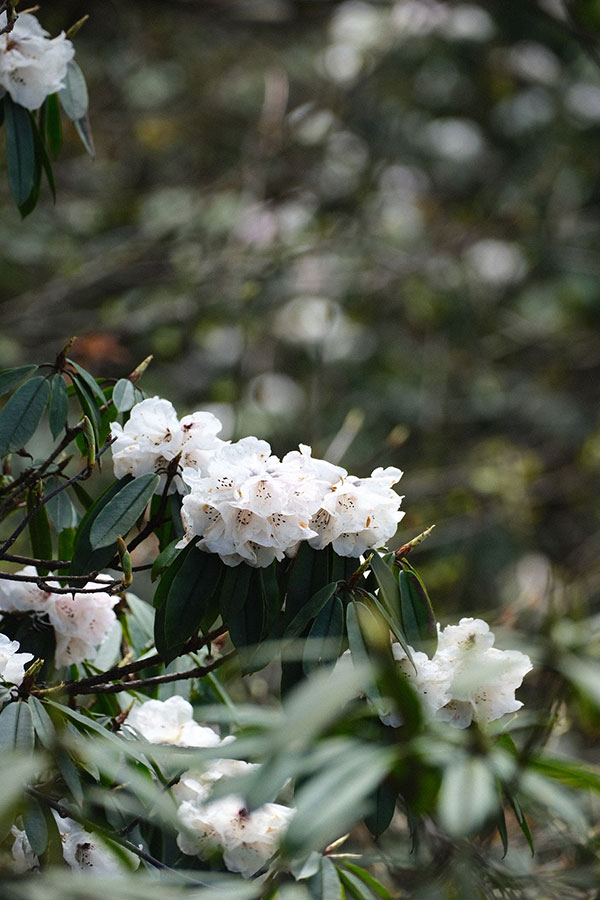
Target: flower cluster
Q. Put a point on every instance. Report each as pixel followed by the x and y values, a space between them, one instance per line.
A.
pixel 12 663
pixel 467 679
pixel 246 504
pixel 246 840
pixel 153 437
pixel 32 65
pixel 81 621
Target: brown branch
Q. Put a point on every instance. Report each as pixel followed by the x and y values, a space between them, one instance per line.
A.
pixel 30 561
pixel 147 662
pixel 198 672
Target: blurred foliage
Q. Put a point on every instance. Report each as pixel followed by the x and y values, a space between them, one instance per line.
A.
pixel 361 225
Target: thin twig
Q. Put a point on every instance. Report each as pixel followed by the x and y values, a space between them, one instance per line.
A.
pixel 43 583
pixel 30 561
pixel 198 672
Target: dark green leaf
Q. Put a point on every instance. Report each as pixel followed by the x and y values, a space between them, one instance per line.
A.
pixel 86 499
pixel 90 409
pixel 123 395
pixel 66 543
pixel 16 728
pixel 59 405
pixel 164 559
pixel 389 593
pixel 354 886
pixel 39 530
pixel 85 559
pixel 384 807
pixel 324 640
pixel 60 508
pixel 42 156
pixel 300 579
pixel 121 513
pixel 22 414
pixel 369 880
pixel 35 826
pixel 74 94
pixel 20 151
pixel 521 819
pixel 71 777
pixel 311 608
pixel 52 124
pixel 90 382
pixel 10 378
pixel 189 596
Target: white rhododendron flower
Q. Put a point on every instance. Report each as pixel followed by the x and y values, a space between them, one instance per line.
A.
pixel 82 849
pixel 32 65
pixel 358 514
pixel 12 663
pixel 81 621
pixel 247 840
pixel 171 722
pixel 153 436
pixel 24 859
pixel 467 679
pixel 250 507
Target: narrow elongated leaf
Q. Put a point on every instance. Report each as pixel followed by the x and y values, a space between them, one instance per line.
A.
pixel 35 826
pixel 22 414
pixel 16 728
pixel 61 511
pixel 20 151
pixel 52 124
pixel 418 620
pixel 10 378
pixel 468 796
pixel 355 888
pixel 42 156
pixel 122 511
pixel 384 807
pixel 71 776
pixel 164 559
pixel 300 579
pixel 379 889
pixel 66 543
pixel 358 647
pixel 39 531
pixel 58 406
pixel 84 130
pixel 330 887
pixel 123 395
pixel 389 593
pixel 74 94
pixel 42 723
pixel 89 380
pixel 522 820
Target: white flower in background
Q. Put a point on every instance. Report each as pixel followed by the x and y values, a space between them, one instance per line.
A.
pixel 82 850
pixel 23 596
pixel 81 621
pixel 250 507
pixel 12 663
pixel 32 65
pixel 467 679
pixel 484 679
pixel 358 513
pixel 153 436
pixel 24 859
pixel 171 722
pixel 247 840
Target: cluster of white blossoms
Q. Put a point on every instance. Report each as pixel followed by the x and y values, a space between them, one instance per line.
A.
pixel 12 663
pixel 32 65
pixel 467 679
pixel 153 436
pixel 246 840
pixel 81 850
pixel 246 504
pixel 81 621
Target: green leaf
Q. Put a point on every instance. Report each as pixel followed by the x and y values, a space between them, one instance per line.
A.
pixel 16 728
pixel 39 530
pixel 42 723
pixel 300 579
pixel 121 513
pixel 52 124
pixel 572 774
pixel 369 880
pixel 418 620
pixel 384 807
pixel 35 826
pixel 90 382
pixel 60 508
pixel 42 157
pixel 90 409
pixel 20 151
pixel 123 395
pixel 308 612
pixel 468 796
pixel 189 596
pixel 164 559
pixel 389 593
pixel 66 544
pixel 354 886
pixel 58 406
pixel 22 414
pixel 84 558
pixel 17 770
pixel 10 378
pixel 74 94
pixel 521 820
pixel 358 647
pixel 324 640
pixel 71 777
pixel 330 887
pixel 84 130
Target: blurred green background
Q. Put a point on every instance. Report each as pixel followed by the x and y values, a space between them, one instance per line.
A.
pixel 368 226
